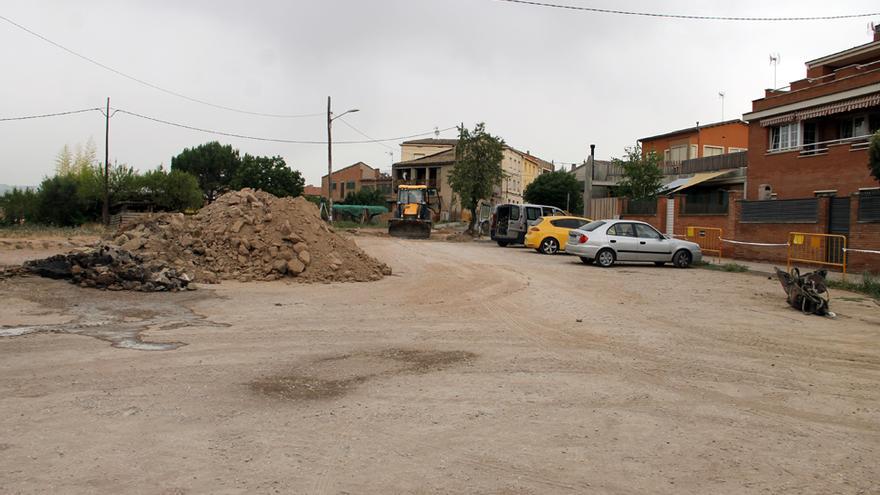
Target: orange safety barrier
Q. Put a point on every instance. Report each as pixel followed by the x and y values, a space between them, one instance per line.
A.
pixel 817 249
pixel 708 238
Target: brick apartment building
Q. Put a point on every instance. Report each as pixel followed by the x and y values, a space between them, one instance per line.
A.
pixel 700 141
pixel 806 172
pixel 353 178
pixel 811 138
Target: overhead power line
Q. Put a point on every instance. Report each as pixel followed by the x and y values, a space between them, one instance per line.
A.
pixel 691 17
pixel 151 85
pixel 369 139
pixel 57 114
pixel 355 129
pixel 273 140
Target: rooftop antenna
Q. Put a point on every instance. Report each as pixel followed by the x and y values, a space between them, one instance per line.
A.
pixel 721 95
pixel 436 132
pixel 775 58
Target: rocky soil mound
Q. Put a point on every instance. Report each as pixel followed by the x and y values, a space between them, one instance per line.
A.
pixel 251 235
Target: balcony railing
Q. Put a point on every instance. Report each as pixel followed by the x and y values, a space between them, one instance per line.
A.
pixel 611 171
pixel 856 143
pixel 707 164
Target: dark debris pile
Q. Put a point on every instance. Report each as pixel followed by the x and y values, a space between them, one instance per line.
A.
pixel 112 268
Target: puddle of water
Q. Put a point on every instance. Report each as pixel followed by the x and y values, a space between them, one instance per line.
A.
pixel 119 321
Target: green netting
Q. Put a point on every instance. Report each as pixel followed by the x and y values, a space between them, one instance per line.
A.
pixel 357 210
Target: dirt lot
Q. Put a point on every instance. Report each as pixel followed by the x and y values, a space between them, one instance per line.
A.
pixel 474 369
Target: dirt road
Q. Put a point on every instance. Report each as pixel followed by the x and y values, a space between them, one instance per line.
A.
pixel 474 369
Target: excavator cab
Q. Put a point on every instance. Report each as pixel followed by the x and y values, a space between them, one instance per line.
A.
pixel 412 216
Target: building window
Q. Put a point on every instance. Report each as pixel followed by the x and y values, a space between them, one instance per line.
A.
pixel 712 150
pixel 785 137
pixel 732 149
pixel 350 185
pixel 678 153
pixel 333 186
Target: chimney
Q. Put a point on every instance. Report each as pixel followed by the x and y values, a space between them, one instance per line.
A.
pixel 572 167
pixel 877 32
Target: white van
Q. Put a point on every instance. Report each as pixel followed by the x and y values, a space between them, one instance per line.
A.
pixel 511 221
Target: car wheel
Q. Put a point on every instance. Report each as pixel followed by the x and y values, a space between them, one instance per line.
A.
pixel 549 246
pixel 586 261
pixel 659 263
pixel 503 243
pixel 605 258
pixel 682 259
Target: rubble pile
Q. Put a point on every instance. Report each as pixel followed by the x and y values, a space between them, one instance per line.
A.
pixel 109 267
pixel 251 235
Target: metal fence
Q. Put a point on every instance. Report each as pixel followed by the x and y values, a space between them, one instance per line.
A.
pixel 708 238
pixel 641 207
pixel 869 206
pixel 817 249
pixel 709 203
pixel 780 211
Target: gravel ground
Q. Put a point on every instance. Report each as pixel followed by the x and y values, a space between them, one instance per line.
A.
pixel 472 369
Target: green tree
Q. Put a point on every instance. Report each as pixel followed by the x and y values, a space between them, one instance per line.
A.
pixel 212 164
pixel 477 169
pixel 58 202
pixel 171 191
pixel 18 206
pixel 642 176
pixel 560 189
pixel 270 174
pixel 874 155
pixel 366 196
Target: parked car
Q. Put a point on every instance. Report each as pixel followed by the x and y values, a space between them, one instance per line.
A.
pixel 607 241
pixel 511 221
pixel 549 235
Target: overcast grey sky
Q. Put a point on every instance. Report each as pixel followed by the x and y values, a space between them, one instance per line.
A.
pixel 546 80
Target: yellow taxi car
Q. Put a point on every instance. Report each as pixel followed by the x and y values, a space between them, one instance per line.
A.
pixel 549 234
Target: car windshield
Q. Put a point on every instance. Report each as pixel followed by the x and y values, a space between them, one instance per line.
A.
pixel 406 196
pixel 592 225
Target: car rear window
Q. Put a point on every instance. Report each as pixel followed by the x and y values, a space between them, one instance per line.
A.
pixel 592 225
pixel 514 212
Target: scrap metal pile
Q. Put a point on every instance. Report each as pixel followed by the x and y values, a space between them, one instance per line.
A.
pixel 808 292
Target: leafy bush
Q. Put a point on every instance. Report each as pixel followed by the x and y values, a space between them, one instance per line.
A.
pixel 560 189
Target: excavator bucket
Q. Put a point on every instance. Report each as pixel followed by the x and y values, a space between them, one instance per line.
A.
pixel 409 228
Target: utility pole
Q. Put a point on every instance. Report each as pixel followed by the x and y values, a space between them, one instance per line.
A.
pixel 105 210
pixel 330 120
pixel 329 165
pixel 721 95
pixel 588 182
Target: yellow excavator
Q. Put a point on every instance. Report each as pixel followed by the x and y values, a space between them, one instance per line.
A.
pixel 412 216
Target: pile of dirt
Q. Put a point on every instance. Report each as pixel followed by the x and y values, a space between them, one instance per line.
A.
pixel 251 235
pixel 109 267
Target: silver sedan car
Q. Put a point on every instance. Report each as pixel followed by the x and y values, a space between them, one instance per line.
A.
pixel 607 241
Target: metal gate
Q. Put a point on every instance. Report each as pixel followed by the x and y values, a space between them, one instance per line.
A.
pixel 838 224
pixel 838 217
pixel 670 216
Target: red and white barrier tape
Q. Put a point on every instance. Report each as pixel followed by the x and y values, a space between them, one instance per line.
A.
pixel 752 243
pixel 861 251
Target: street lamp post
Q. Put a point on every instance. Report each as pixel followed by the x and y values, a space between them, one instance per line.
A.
pixel 330 120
